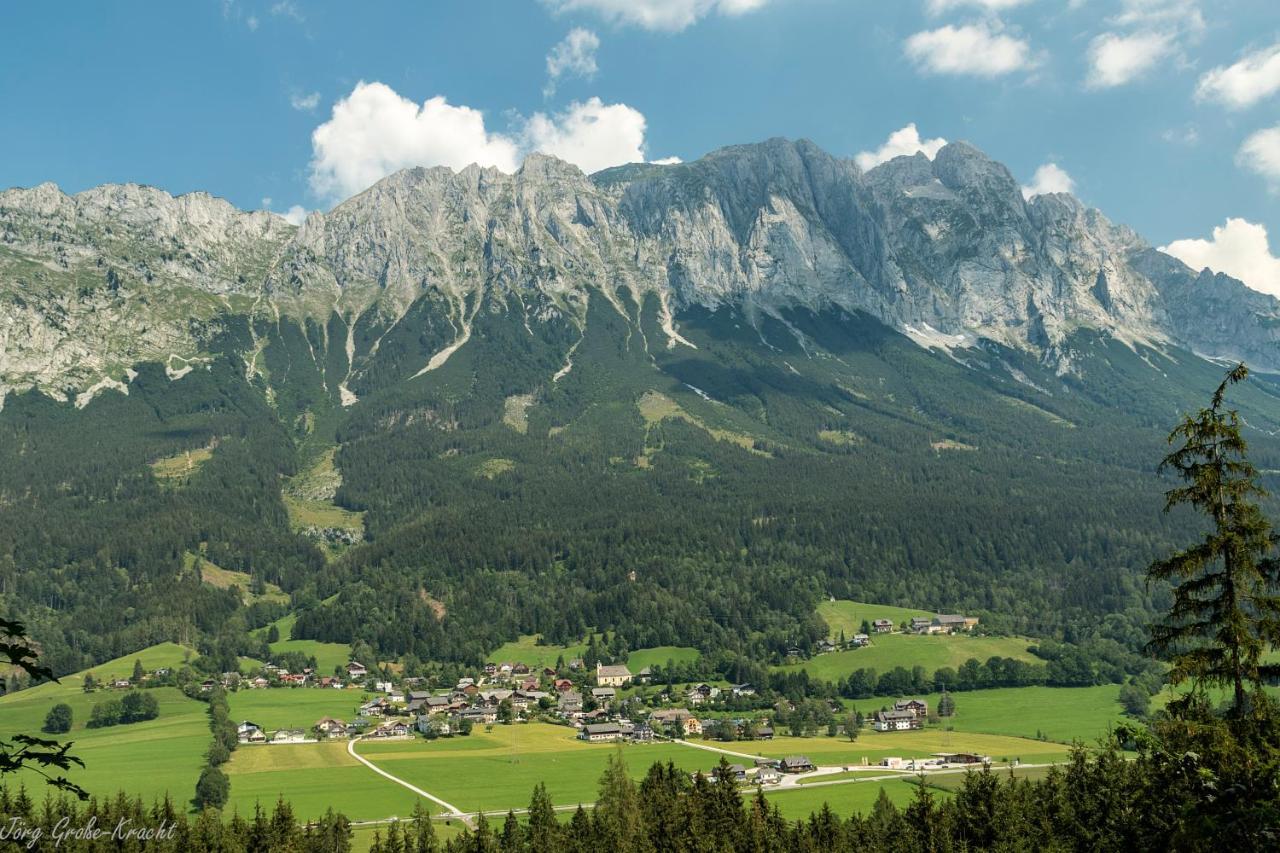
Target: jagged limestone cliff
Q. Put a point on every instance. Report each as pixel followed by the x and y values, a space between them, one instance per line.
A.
pixel 945 250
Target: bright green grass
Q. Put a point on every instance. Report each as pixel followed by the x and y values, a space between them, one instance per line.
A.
pixel 526 650
pixel 874 746
pixel 848 616
pixel 497 770
pixel 293 708
pixel 313 778
pixel 845 800
pixel 930 651
pixel 327 655
pixel 147 759
pixel 1062 714
pixel 660 655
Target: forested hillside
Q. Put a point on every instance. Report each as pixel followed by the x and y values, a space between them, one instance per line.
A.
pixel 706 495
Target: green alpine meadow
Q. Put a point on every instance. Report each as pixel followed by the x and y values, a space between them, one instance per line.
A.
pixel 567 426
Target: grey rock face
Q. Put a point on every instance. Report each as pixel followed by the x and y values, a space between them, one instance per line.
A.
pixel 946 250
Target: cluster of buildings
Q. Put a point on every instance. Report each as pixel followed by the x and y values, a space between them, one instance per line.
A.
pixel 905 715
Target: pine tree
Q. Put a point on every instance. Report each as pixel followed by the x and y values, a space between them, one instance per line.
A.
pixel 618 816
pixel 424 832
pixel 138 672
pixel 543 831
pixel 512 838
pixel 1225 610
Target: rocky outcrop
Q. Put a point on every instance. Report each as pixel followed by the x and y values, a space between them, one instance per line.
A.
pixel 93 283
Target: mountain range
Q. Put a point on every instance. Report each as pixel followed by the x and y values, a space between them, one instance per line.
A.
pixel 946 251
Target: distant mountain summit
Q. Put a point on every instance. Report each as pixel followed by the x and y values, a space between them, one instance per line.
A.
pixel 946 251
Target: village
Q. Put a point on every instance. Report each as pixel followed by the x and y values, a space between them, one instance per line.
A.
pixel 598 704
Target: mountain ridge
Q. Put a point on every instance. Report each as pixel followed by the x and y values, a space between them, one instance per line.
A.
pixel 945 250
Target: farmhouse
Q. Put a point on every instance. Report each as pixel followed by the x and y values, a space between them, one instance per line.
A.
pixel 796 764
pixel 289 736
pixel 916 706
pixel 570 702
pixel 612 676
pixel 604 696
pixel 896 721
pixel 860 640
pixel 331 728
pixel 248 732
pixel 950 624
pixel 743 690
pixel 642 733
pixel 395 729
pixel 355 669
pixel 921 625
pixel 601 732
pixel 882 626
pixel 700 693
pixel 768 776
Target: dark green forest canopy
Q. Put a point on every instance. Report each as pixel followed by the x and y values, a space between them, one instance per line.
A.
pixel 783 462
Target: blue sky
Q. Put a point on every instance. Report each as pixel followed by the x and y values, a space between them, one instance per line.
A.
pixel 1163 113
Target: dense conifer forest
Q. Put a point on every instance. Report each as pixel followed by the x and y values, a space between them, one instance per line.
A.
pixel 705 497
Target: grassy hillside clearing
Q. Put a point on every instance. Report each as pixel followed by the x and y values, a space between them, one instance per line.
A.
pixel 907 650
pixel 327 655
pixel 848 616
pixel 221 578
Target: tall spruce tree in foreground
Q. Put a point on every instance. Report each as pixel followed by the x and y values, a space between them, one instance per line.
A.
pixel 1226 610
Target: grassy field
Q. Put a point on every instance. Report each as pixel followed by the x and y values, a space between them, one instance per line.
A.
pixel 327 655
pixel 907 650
pixel 848 616
pixel 659 655
pixel 497 770
pixel 871 747
pixel 526 650
pixel 144 759
pixel 314 777
pixel 1062 714
pixel 296 708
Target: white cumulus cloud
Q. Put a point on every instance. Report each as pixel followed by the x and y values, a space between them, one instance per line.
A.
pixel 1254 77
pixel 1115 60
pixel 1261 153
pixel 905 141
pixel 978 49
pixel 1240 249
pixel 592 135
pixel 1049 178
pixel 374 131
pixel 669 15
pixel 667 161
pixel 574 55
pixel 295 215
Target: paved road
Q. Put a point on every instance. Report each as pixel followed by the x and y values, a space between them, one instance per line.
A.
pixel 450 809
